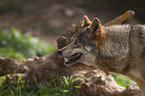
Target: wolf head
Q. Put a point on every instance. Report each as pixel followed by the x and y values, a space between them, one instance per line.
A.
pixel 84 46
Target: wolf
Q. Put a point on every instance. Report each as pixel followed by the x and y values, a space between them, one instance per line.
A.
pixel 112 48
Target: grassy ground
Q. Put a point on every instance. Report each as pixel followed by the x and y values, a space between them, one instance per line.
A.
pixel 58 86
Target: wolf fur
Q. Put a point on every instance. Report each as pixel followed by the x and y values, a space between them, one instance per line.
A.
pixel 114 48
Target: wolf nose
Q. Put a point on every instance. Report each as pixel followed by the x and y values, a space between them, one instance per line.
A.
pixel 60 51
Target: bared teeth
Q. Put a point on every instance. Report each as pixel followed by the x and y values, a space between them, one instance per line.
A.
pixel 76 55
pixel 66 59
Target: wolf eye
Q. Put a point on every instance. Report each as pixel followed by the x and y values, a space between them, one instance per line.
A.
pixel 76 42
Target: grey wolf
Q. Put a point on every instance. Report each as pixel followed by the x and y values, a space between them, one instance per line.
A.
pixel 112 48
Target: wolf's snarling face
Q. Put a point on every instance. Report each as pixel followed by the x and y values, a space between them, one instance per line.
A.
pixel 83 47
pixel 78 50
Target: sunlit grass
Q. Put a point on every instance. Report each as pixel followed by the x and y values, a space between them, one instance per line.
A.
pixel 122 80
pixel 58 86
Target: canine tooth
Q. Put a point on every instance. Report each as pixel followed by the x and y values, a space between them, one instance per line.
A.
pixel 65 59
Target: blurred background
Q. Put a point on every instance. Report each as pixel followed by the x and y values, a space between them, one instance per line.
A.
pixel 48 19
pixel 21 21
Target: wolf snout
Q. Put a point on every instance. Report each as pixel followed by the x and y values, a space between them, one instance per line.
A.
pixel 60 51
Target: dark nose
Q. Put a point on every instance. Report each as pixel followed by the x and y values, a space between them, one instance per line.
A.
pixel 60 51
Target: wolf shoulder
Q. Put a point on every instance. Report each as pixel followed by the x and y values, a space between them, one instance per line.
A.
pixel 126 31
pixel 133 36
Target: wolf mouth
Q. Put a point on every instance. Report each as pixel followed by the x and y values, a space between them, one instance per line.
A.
pixel 72 59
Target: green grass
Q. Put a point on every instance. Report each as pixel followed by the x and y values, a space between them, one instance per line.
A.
pixel 58 86
pixel 122 80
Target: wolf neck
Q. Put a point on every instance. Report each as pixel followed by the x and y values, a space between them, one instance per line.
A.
pixel 114 49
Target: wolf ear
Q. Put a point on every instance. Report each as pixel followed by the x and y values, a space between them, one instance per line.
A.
pixel 86 21
pixel 95 28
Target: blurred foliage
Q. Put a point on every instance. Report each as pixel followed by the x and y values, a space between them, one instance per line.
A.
pixel 14 44
pixel 10 52
pixel 12 5
pixel 122 80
